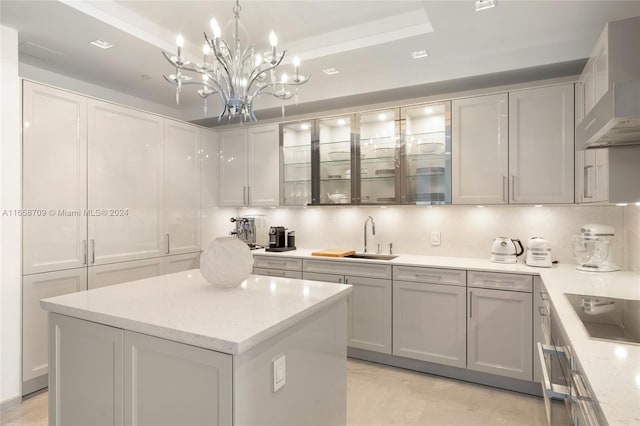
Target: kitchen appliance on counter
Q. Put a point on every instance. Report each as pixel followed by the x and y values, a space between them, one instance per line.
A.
pixel 245 230
pixel 505 250
pixel 607 318
pixel 538 252
pixel 278 239
pixel 592 248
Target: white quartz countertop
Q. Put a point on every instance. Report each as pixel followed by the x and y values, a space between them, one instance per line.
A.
pixel 611 369
pixel 185 308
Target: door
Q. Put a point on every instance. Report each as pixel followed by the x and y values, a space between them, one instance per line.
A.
pixel 335 160
pixel 126 184
pixel 87 372
pixel 232 147
pixel 160 373
pixel 541 145
pixel 117 273
pixel 296 141
pixel 182 187
pixel 54 180
pixel 263 166
pixel 35 353
pixel 480 150
pixel 499 333
pixel 369 314
pixel 429 322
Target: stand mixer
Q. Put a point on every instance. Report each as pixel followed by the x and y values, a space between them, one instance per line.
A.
pixel 592 248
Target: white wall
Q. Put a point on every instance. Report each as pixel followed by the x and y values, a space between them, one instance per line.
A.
pixel 10 171
pixel 465 230
pixel 63 82
pixel 632 238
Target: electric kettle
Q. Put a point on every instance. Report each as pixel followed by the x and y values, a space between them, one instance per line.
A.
pixel 505 250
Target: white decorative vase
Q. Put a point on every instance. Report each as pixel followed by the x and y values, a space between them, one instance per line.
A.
pixel 226 262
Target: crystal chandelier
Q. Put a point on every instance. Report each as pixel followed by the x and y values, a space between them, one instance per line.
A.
pixel 237 75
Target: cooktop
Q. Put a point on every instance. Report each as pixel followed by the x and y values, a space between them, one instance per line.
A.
pixel 607 318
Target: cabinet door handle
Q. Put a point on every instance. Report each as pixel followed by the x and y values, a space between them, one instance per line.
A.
pixel 248 195
pixel 513 187
pixel 244 195
pixel 86 255
pixel 585 183
pixel 276 263
pixel 471 304
pixel 505 184
pixel 168 243
pixel 340 280
pixel 93 251
pixel 346 280
pixel 429 277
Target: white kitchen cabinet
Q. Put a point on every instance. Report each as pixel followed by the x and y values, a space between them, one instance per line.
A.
pixel 126 176
pixel 35 362
pixel 159 373
pixel 499 325
pixel 181 187
pixel 541 145
pixel 249 167
pixel 429 317
pixel 54 179
pixel 593 175
pixel 208 185
pixel 122 272
pixel 480 150
pixel 287 267
pixel 179 263
pixel 369 305
pixel 90 358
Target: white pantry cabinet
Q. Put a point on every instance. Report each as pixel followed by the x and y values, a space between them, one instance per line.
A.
pixel 429 315
pixel 54 179
pixel 500 324
pixel 480 150
pixel 369 305
pixel 249 166
pixel 35 363
pixel 181 187
pixel 541 145
pixel 126 171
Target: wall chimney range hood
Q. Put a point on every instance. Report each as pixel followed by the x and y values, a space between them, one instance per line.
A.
pixel 609 89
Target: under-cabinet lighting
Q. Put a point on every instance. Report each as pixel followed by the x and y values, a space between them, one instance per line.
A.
pixel 417 54
pixel 341 122
pixel 330 71
pixel 304 126
pixel 485 4
pixel 480 207
pixel 428 110
pixel 621 204
pixel 620 352
pixel 101 44
pixel 382 117
pixel 538 205
pixel 637 204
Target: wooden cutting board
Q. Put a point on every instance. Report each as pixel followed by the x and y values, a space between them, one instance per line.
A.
pixel 333 252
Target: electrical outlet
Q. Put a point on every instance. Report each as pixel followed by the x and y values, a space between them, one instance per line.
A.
pixel 435 238
pixel 279 372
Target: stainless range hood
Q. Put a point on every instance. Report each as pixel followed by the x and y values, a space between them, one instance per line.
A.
pixel 614 120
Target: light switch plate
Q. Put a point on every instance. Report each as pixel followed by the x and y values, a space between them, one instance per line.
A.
pixel 279 372
pixel 435 238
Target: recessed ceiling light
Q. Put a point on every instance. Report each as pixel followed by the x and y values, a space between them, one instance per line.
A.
pixel 485 4
pixel 304 126
pixel 330 71
pixel 102 44
pixel 417 54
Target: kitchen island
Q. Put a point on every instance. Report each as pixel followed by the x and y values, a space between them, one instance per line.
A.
pixel 175 349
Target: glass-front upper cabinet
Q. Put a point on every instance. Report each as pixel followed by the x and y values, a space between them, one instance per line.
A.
pixel 378 155
pixel 296 142
pixel 427 154
pixel 335 153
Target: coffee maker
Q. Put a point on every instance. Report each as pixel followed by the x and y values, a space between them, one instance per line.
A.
pixel 280 239
pixel 245 230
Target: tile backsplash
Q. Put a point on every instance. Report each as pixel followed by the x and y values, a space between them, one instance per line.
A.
pixel 465 231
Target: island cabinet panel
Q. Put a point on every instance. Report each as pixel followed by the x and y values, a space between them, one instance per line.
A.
pixel 161 373
pixel 87 373
pixel 429 322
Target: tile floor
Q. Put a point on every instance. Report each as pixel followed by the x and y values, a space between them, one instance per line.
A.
pixel 385 396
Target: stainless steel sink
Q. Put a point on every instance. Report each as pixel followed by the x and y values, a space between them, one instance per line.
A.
pixel 372 256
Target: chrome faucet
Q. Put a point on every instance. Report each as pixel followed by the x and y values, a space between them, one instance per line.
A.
pixel 373 230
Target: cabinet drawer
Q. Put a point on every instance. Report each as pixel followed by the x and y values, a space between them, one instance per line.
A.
pixel 371 270
pixel 272 262
pixel 498 280
pixel 277 273
pixel 430 275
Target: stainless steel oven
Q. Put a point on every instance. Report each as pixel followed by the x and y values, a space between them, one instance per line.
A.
pixel 567 398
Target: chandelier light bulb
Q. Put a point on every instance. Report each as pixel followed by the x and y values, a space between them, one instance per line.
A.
pixel 206 49
pixel 215 28
pixel 296 62
pixel 273 39
pixel 258 60
pixel 285 78
pixel 180 40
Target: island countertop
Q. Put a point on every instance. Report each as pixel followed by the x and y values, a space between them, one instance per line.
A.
pixel 185 308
